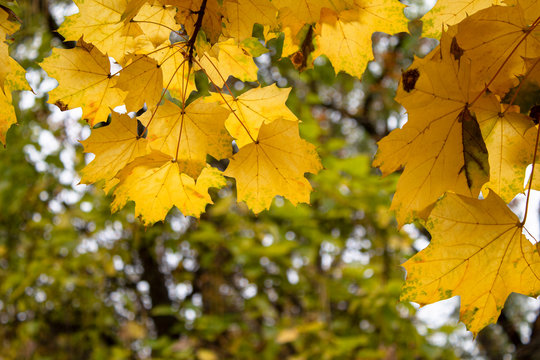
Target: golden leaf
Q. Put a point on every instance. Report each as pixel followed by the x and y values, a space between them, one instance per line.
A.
pixel 142 79
pixel 190 134
pixel 430 145
pixel 227 58
pixel 156 183
pixel 477 251
pixel 254 108
pixel 84 80
pixel 494 42
pixel 450 12
pixel 509 137
pixel 274 165
pixel 114 145
pixel 346 37
pixel 241 15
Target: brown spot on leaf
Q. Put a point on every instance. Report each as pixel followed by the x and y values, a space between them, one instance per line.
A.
pixel 61 105
pixel 455 49
pixel 298 60
pixel 409 78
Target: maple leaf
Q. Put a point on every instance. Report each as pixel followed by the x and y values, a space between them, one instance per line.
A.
pixel 190 133
pixel 241 15
pixel 494 41
pixel 100 23
pixel 274 165
pixel 156 183
pixel 345 37
pixel 450 12
pixel 157 21
pixel 142 80
pixel 254 108
pixel 227 58
pixel 440 146
pixel 308 11
pixel 477 251
pixel 178 73
pixel 114 145
pixel 84 80
pixel 509 137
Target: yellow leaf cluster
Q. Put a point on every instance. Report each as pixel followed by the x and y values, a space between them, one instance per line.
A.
pixel 463 153
pixel 134 73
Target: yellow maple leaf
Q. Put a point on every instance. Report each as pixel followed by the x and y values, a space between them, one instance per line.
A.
pixel 84 80
pixel 477 251
pixel 509 137
pixel 156 183
pixel 114 145
pixel 189 134
pixel 309 11
pixel 494 41
pixel 241 15
pixel 100 23
pixel 437 147
pixel 228 58
pixel 274 165
pixel 346 37
pixel 157 20
pixel 142 80
pixel 254 108
pixel 450 12
pixel 178 74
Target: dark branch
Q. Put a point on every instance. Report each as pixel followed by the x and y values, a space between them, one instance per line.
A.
pixel 198 25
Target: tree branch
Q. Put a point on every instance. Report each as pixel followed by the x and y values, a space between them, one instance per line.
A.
pixel 198 25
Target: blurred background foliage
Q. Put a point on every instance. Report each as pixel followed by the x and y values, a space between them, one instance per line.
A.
pixel 319 281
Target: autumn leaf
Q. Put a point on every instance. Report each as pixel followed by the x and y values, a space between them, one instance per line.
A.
pixel 114 145
pixel 100 23
pixel 345 37
pixel 494 42
pixel 228 58
pixel 451 12
pixel 274 165
pixel 509 137
pixel 178 74
pixel 241 15
pixel 435 154
pixel 254 108
pixel 190 133
pixel 84 80
pixel 478 252
pixel 157 20
pixel 309 11
pixel 142 80
pixel 156 183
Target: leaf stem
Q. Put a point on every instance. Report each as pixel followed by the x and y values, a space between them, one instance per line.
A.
pixel 532 173
pixel 162 95
pixel 527 33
